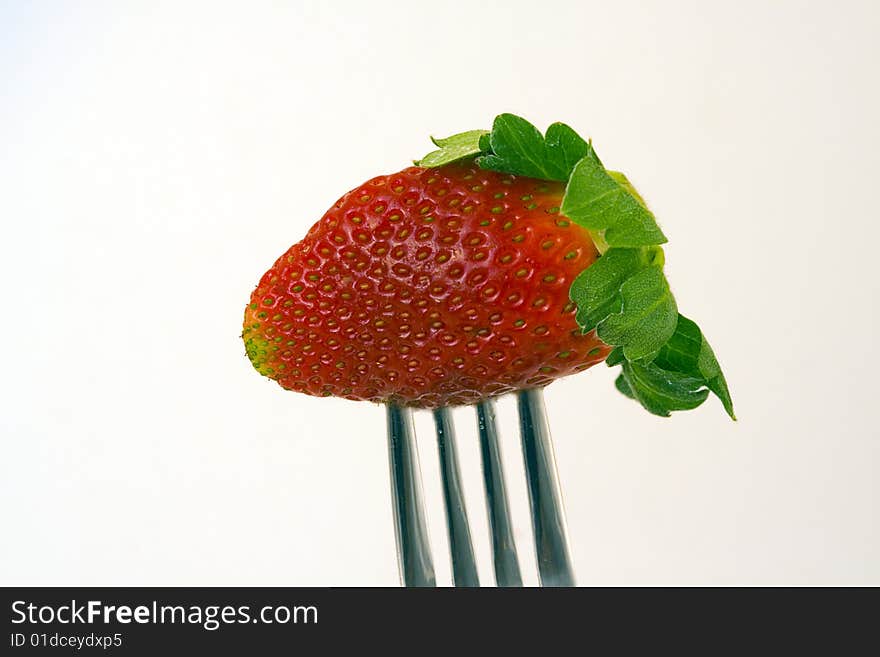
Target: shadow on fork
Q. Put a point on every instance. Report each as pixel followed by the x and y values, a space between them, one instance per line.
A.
pixel 545 499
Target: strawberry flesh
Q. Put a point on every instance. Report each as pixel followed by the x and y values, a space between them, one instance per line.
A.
pixel 427 288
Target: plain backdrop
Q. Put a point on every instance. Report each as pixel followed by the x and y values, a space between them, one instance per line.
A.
pixel 156 157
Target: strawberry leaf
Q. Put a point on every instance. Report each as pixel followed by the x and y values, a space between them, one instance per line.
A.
pixel 596 290
pixel 616 357
pixel 659 390
pixel 605 201
pixel 679 377
pixel 518 147
pixel 623 387
pixel 647 316
pixel 454 148
pixel 688 352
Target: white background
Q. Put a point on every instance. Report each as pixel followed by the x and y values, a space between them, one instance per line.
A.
pixel 155 158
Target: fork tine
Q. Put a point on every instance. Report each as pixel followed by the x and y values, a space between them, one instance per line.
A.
pixel 464 567
pixel 503 546
pixel 548 520
pixel 413 549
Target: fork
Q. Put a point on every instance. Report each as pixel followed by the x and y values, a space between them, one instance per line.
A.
pixel 545 499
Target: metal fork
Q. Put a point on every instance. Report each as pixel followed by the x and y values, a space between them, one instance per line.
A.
pixel 545 499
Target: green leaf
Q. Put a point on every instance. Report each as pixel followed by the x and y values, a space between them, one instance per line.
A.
pixel 688 352
pixel 454 148
pixel 517 147
pixel 623 387
pixel 627 185
pixel 596 290
pixel 661 391
pixel 615 357
pixel 600 200
pixel 647 318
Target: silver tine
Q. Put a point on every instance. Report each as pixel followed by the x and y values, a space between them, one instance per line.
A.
pixel 464 566
pixel 413 549
pixel 548 519
pixel 503 546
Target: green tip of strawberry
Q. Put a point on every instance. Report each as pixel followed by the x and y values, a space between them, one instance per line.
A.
pixel 505 260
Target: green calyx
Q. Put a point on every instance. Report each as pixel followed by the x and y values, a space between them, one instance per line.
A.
pixel 666 363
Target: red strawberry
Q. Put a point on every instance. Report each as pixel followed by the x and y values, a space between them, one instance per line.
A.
pixel 428 287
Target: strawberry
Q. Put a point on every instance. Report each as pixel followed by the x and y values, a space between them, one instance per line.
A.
pixel 427 288
pixel 504 260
